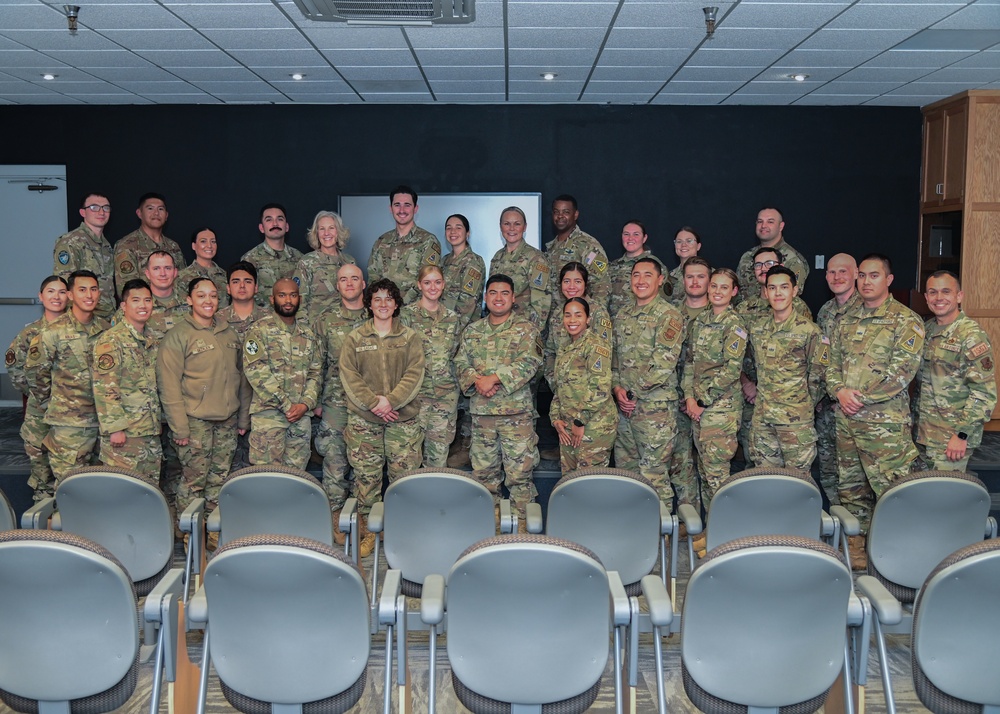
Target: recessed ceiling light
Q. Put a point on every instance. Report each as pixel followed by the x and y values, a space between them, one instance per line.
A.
pixel 49 76
pixel 549 75
pixel 799 77
pixel 298 75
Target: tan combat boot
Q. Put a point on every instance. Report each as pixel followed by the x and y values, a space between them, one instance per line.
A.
pixel 367 543
pixel 459 453
pixel 339 537
pixel 856 549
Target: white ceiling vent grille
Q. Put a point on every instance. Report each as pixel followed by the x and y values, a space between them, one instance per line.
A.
pixel 390 12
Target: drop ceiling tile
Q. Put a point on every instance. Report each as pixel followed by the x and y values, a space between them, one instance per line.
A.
pixel 789 86
pixel 941 89
pixel 48 99
pixel 18 87
pixel 552 56
pixel 562 38
pixel 970 40
pixel 979 16
pixel 282 40
pixel 100 58
pixel 545 88
pixel 533 98
pixel 603 72
pixel 217 88
pixel 189 58
pixel 623 57
pixel 917 58
pixel 278 58
pixel 694 99
pixel 489 14
pixel 623 98
pixel 869 88
pixel 284 74
pixel 885 74
pixel 467 87
pixel 816 74
pixel 964 75
pixel 723 88
pixel 257 98
pixel 335 36
pixel 120 16
pixel 372 57
pixel 892 17
pixel 756 39
pixel 824 100
pixel 534 73
pixel 8 44
pixel 59 39
pixel 650 38
pixel 185 99
pixel 981 59
pixel 698 74
pixel 463 72
pixel 219 74
pixel 826 58
pixel 63 73
pixel 34 16
pixel 712 57
pixel 887 100
pixel 304 87
pixel 393 98
pixel 83 88
pixel 664 14
pixel 117 99
pixel 855 39
pixel 487 98
pixel 560 14
pixel 779 15
pixel 447 58
pixel 150 88
pixel 760 99
pixel 388 86
pixel 648 88
pixel 337 98
pixel 389 74
pixel 455 37
pixel 233 16
pixel 124 74
pixel 155 39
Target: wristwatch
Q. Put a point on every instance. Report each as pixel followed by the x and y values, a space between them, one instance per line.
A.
pixel 701 404
pixel 963 436
pixel 577 422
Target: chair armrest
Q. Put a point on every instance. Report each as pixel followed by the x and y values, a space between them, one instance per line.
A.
pixel 348 512
pixel 991 527
pixel 170 585
pixel 690 518
pixel 190 519
pixel 214 521
pixel 376 518
pixel 37 517
pixel 887 608
pixel 392 588
pixel 197 609
pixel 533 517
pixel 506 517
pixel 620 608
pixel 827 525
pixel 848 521
pixel 661 610
pixel 432 600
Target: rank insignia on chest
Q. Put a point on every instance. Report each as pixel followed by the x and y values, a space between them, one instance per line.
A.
pixel 252 347
pixel 63 258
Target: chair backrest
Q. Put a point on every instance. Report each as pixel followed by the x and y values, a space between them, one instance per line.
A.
pixel 68 626
pixel 764 501
pixel 922 519
pixel 123 512
pixel 287 619
pixel 8 519
pixel 956 622
pixel 765 623
pixel 528 619
pixel 274 499
pixel 613 512
pixel 431 516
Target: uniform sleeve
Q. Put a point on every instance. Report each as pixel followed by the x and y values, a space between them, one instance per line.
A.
pixel 470 292
pixel 465 373
pixel 527 351
pixel 65 257
pixel 599 283
pixel 38 366
pixel 540 277
pixel 795 261
pixel 596 378
pixel 314 377
pixel 549 353
pixel 376 262
pixel 258 370
pixel 350 376
pixel 903 364
pixel 731 365
pixel 302 275
pixel 980 381
pixel 169 373
pixel 835 370
pixel 667 345
pixel 107 380
pixel 817 362
pixel 17 353
pixel 408 386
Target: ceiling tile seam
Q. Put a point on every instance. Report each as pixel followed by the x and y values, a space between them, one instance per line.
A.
pixel 697 47
pixel 416 60
pixel 317 50
pixel 600 50
pixel 506 54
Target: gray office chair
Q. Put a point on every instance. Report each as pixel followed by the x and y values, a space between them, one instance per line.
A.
pixel 922 518
pixel 956 623
pixel 528 624
pixel 765 626
pixel 8 520
pixel 69 639
pixel 124 512
pixel 618 515
pixel 286 626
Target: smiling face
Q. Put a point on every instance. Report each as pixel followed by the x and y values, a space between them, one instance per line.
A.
pixel 633 240
pixel 512 228
pixel 841 274
pixel 326 234
pixel 161 274
pixel 686 245
pixel 404 210
pixel 431 285
pixel 204 301
pixel 499 301
pixel 573 284
pixel 455 233
pixel 944 298
pixel 205 245
pixel 285 298
pixel 137 306
pixel 646 282
pixel 575 319
pixel 383 305
pixel 54 296
pixel 769 226
pixel 780 293
pixel 84 296
pixel 273 224
pixel 721 291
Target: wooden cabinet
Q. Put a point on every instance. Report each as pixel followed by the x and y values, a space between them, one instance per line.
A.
pixel 960 201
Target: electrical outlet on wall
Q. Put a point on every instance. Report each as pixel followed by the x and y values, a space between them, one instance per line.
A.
pixel 820 262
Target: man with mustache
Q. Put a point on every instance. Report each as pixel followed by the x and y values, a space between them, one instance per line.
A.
pixel 272 258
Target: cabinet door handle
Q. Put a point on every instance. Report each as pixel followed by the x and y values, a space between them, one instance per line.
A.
pixel 939 189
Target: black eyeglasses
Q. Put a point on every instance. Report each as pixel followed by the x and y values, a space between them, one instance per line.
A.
pixel 95 208
pixel 765 264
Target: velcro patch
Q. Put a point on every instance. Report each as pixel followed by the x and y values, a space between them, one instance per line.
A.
pixel 979 350
pixel 910 343
pixel 599 265
pixel 126 266
pixel 735 347
pixel 432 258
pixel 987 364
pixel 603 351
pixel 11 358
pixel 598 365
pixel 106 361
pixel 252 348
pixel 63 257
pixel 474 273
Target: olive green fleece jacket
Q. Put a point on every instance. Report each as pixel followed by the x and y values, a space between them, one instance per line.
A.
pixel 391 366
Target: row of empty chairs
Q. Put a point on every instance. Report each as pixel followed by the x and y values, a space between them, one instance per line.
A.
pixel 586 511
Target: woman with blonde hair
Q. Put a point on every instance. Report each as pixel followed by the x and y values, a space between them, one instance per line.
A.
pixel 316 272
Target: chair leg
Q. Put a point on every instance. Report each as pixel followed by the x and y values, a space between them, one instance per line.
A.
pixel 184 692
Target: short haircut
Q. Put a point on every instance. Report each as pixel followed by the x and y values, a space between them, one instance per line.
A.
pixel 655 263
pixel 762 249
pixel 586 305
pixel 150 196
pixel 579 268
pixel 697 260
pixel 145 263
pixel 77 274
pixel 565 197
pixel 268 206
pixel 886 261
pixel 500 278
pixel 387 285
pixel 194 283
pixel 403 188
pixel 729 273
pixel 944 274
pixel 52 279
pixel 781 214
pixel 427 270
pixel 83 199
pixel 194 235
pixel 343 232
pixel 245 265
pixel 135 284
pixel 781 270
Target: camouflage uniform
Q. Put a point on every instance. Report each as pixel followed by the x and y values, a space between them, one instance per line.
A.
pixel 196 270
pixel 956 389
pixel 619 278
pixel 167 312
pixel 826 416
pixel 282 364
pixel 391 366
pixel 556 336
pixel 83 249
pixel 682 458
pixel 675 283
pixel 876 351
pixel 439 392
pixel 316 276
pixel 503 433
pixel 529 269
pixel 582 248
pixel 648 342
pixel 33 428
pixel 271 266
pixel 206 399
pixel 131 253
pixel 464 279
pixel 125 398
pixel 241 458
pixel 400 258
pixel 712 377
pixel 58 370
pixel 791 259
pixel 583 375
pixel 791 359
pixel 332 328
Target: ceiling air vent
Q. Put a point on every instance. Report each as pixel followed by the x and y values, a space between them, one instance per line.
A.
pixel 390 12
